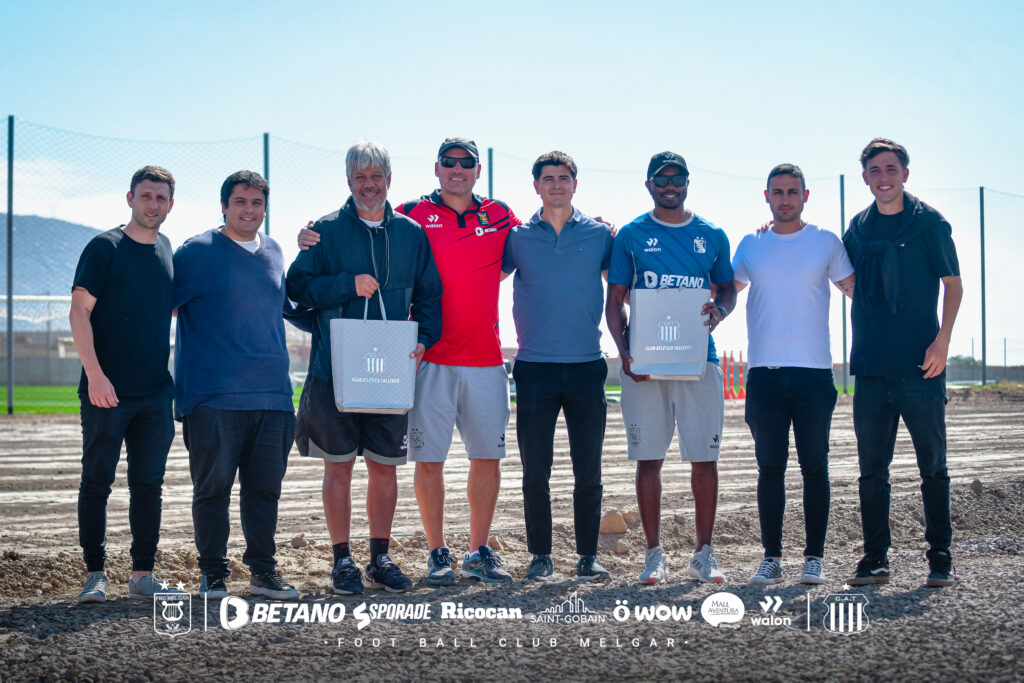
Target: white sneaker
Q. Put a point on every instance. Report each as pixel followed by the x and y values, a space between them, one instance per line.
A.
pixel 812 571
pixel 768 572
pixel 655 567
pixel 704 566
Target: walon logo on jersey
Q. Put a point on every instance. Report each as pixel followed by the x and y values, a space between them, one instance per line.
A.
pixel 374 362
pixel 668 330
pixel 652 245
pixel 172 612
pixel 847 613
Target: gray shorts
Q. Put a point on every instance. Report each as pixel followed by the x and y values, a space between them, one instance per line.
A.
pixel 653 410
pixel 473 399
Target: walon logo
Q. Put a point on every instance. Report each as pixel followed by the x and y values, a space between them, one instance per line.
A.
pixel 668 330
pixel 375 362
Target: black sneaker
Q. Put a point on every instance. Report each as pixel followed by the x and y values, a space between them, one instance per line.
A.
pixel 541 569
pixel 272 585
pixel 346 577
pixel 870 571
pixel 940 566
pixel 386 574
pixel 589 569
pixel 213 586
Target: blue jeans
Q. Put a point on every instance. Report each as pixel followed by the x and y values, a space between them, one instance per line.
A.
pixel 878 405
pixel 255 445
pixel 805 398
pixel 145 426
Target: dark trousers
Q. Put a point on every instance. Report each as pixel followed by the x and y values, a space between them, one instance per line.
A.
pixel 145 427
pixel 878 405
pixel 255 444
pixel 805 398
pixel 542 389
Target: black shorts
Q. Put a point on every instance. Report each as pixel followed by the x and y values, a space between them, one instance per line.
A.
pixel 322 431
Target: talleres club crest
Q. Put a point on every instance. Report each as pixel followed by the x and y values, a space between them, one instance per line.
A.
pixel 847 613
pixel 172 612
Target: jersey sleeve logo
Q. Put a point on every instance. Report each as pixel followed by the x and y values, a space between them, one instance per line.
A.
pixel 482 218
pixel 700 246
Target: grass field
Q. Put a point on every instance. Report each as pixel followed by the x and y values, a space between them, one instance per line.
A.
pixel 63 400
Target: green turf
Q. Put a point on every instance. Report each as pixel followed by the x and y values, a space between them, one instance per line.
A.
pixel 58 400
pixel 47 400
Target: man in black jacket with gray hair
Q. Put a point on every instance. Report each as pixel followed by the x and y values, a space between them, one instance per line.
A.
pixel 365 249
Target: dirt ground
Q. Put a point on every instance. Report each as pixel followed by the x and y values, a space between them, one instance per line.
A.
pixel 566 630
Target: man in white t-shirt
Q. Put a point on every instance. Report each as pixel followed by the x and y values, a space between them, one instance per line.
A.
pixel 790 379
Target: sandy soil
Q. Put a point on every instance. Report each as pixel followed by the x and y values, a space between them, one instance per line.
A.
pixel 971 631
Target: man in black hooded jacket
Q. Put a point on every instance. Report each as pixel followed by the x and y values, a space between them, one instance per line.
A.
pixel 367 251
pixel 901 249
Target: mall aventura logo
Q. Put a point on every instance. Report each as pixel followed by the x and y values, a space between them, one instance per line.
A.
pixel 572 610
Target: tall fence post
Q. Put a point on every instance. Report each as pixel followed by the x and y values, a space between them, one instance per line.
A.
pixel 842 231
pixel 984 345
pixel 10 265
pixel 266 174
pixel 490 173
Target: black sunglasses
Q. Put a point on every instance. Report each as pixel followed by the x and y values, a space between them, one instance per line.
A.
pixel 464 162
pixel 664 180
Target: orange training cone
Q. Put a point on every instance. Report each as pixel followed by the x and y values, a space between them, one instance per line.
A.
pixel 741 392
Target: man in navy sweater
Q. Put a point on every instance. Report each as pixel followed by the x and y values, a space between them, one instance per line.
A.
pixel 232 390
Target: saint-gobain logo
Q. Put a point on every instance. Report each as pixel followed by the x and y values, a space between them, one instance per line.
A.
pixel 846 613
pixel 172 613
pixel 374 362
pixel 699 245
pixel 668 330
pixel 572 610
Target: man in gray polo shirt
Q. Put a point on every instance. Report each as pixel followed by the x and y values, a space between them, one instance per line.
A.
pixel 558 258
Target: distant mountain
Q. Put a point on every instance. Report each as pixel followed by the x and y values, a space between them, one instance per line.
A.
pixel 46 252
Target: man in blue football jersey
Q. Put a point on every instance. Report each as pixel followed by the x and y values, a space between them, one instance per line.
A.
pixel 671 247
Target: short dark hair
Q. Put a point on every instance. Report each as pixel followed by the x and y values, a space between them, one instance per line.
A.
pixel 249 179
pixel 555 158
pixel 879 145
pixel 787 169
pixel 155 174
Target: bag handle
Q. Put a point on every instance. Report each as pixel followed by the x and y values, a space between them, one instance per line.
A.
pixel 366 307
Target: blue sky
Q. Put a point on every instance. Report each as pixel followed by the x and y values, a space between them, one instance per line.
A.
pixel 735 87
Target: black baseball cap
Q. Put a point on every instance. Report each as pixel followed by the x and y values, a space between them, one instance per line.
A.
pixel 662 160
pixel 463 143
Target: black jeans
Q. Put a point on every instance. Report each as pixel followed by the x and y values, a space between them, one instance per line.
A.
pixel 145 426
pixel 255 444
pixel 542 389
pixel 878 405
pixel 805 398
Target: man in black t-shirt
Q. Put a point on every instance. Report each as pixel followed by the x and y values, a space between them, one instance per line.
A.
pixel 901 249
pixel 120 319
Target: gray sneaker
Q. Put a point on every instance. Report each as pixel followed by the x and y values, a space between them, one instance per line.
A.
pixel 486 566
pixel 768 572
pixel 704 566
pixel 95 589
pixel 144 587
pixel 655 567
pixel 813 573
pixel 439 567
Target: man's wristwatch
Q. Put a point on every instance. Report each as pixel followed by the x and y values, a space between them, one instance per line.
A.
pixel 721 311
